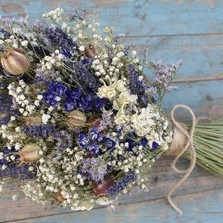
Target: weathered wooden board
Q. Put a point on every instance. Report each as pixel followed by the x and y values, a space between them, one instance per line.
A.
pixel 139 17
pixel 201 207
pixel 162 178
pixel 169 30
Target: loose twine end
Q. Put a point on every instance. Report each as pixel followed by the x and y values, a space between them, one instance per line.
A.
pixel 181 145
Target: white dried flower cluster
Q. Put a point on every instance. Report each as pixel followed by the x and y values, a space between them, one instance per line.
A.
pixel 49 62
pixel 112 91
pixel 110 72
pixel 20 95
pixel 65 184
pixel 56 15
pixel 10 41
pixel 1 186
pixel 10 134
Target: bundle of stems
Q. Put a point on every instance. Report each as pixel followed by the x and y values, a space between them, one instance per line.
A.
pixel 208 144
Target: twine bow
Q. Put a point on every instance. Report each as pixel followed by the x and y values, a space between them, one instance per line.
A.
pixel 181 145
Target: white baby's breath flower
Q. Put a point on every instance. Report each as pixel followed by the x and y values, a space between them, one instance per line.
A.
pixel 4 167
pixel 1 187
pixel 17 129
pixel 40 97
pixel 82 48
pixel 14 197
pixel 12 118
pixel 3 127
pixel 45 118
pixel 12 157
pixel 25 43
pixel 37 103
pixel 21 110
pixel 134 53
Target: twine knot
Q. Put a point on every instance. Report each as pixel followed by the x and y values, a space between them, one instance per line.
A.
pixel 182 142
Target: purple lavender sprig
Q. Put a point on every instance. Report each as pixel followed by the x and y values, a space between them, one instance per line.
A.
pixel 39 131
pixel 93 169
pixel 164 74
pixel 121 184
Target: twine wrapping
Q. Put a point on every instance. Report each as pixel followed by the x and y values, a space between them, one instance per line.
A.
pixel 182 142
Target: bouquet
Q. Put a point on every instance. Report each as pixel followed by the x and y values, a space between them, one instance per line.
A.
pixel 81 123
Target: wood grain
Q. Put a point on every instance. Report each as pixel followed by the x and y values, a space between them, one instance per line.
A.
pixel 162 179
pixel 200 207
pixel 163 17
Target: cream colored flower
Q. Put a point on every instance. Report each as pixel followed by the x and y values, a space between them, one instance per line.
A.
pixel 124 99
pixel 107 92
pixel 112 90
pixel 144 122
pixel 120 86
pixel 121 117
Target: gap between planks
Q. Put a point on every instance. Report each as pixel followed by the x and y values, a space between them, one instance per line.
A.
pixel 182 201
pixel 159 192
pixel 199 79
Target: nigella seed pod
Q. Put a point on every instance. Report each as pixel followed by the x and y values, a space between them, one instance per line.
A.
pixel 76 119
pixel 90 51
pixel 29 153
pixel 15 62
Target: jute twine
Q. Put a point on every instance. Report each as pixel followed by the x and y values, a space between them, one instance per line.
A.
pixel 182 142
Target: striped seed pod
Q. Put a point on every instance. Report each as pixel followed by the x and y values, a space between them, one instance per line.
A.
pixel 29 153
pixel 15 62
pixel 76 119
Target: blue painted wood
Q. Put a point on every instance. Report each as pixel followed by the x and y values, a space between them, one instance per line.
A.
pixel 205 98
pixel 196 38
pixel 201 207
pixel 139 17
pixel 162 179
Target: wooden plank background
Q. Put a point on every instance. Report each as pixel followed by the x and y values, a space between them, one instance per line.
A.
pixel 169 30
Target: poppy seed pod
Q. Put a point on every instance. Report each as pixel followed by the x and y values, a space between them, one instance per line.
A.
pixel 101 189
pixel 90 51
pixel 29 153
pixel 76 119
pixel 94 123
pixel 15 62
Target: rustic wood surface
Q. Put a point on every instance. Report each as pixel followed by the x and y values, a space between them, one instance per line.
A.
pixel 169 30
